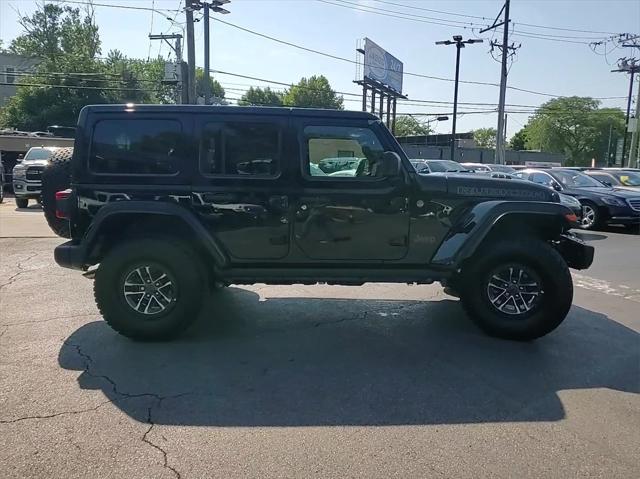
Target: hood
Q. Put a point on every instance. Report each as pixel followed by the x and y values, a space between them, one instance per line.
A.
pixel 617 192
pixel 483 186
pixel 28 163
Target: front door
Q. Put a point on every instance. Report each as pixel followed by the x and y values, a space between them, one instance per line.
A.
pixel 346 210
pixel 239 191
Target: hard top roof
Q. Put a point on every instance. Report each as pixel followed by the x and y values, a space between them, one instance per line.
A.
pixel 244 110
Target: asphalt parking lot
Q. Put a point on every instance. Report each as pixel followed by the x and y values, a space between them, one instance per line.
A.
pixel 381 380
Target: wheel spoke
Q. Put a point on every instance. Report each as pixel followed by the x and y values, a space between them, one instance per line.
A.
pixel 167 299
pixel 517 295
pixel 148 289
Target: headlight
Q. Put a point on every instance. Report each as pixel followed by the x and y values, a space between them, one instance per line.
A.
pixel 569 201
pixel 19 171
pixel 612 201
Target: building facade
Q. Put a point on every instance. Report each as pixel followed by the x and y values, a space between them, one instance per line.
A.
pixel 12 68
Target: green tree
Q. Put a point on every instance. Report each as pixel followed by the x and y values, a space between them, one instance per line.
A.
pixel 485 137
pixel 407 125
pixel 261 97
pixel 518 140
pixel 58 35
pixel 575 127
pixel 70 75
pixel 314 92
pixel 216 89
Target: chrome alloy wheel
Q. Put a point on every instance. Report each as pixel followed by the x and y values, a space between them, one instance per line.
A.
pixel 149 289
pixel 588 216
pixel 514 289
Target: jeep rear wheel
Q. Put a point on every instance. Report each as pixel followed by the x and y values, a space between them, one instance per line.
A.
pixel 149 289
pixel 518 289
pixel 56 177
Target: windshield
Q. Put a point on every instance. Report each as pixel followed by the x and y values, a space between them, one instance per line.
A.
pixel 502 168
pixel 627 178
pixel 575 179
pixel 39 154
pixel 445 165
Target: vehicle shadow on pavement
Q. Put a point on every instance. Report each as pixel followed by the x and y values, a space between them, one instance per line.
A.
pixel 321 362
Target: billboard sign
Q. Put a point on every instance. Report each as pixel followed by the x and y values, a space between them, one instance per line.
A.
pixel 381 66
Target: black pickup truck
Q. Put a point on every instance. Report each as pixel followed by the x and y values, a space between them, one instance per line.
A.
pixel 166 202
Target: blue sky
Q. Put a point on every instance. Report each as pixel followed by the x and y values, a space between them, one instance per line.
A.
pixel 554 67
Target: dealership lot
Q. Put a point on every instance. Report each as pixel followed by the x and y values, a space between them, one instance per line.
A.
pixel 326 381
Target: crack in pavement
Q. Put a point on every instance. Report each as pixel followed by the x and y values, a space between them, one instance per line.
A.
pixel 156 397
pixel 48 416
pixel 6 328
pixel 146 440
pixel 12 279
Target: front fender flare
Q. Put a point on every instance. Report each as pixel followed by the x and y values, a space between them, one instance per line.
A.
pixel 473 227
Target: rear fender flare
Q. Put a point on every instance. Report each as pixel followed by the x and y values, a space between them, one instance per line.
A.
pixel 146 209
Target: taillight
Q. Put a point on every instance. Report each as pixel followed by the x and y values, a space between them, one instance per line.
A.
pixel 61 206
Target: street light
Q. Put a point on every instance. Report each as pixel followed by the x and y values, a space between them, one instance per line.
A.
pixel 459 43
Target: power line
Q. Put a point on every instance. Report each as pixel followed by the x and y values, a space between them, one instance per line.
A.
pixel 77 87
pixel 318 52
pixel 451 23
pixel 484 18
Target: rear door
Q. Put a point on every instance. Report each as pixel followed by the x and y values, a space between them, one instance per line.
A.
pixel 351 214
pixel 240 187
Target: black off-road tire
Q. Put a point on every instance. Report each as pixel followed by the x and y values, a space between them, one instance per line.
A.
pixel 56 177
pixel 22 202
pixel 177 260
pixel 535 255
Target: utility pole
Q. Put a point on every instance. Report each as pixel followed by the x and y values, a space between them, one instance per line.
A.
pixel 500 131
pixel 635 136
pixel 211 6
pixel 206 87
pixel 608 162
pixel 630 66
pixel 459 43
pixel 191 52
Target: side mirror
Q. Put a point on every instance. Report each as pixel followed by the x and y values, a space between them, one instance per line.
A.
pixel 391 164
pixel 556 186
pixel 20 158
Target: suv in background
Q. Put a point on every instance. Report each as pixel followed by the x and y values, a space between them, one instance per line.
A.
pixel 27 175
pixel 162 205
pixel 601 204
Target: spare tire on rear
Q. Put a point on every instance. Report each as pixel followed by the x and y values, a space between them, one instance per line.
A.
pixel 56 177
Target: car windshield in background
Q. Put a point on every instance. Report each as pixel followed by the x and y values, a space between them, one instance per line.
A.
pixel 441 166
pixel 502 168
pixel 627 178
pixel 575 179
pixel 39 154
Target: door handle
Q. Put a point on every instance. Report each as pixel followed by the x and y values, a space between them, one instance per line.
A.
pixel 401 241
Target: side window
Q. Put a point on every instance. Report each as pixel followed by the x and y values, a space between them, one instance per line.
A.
pixel 341 151
pixel 541 179
pixel 241 149
pixel 137 146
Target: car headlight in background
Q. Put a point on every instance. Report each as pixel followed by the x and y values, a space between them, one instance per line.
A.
pixel 610 200
pixel 19 172
pixel 569 201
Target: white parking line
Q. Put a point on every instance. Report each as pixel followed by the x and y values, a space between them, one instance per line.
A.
pixel 605 287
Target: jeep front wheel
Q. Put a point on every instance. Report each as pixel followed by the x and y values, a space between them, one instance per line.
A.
pixel 520 289
pixel 149 289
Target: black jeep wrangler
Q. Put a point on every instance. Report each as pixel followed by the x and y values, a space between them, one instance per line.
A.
pixel 172 201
